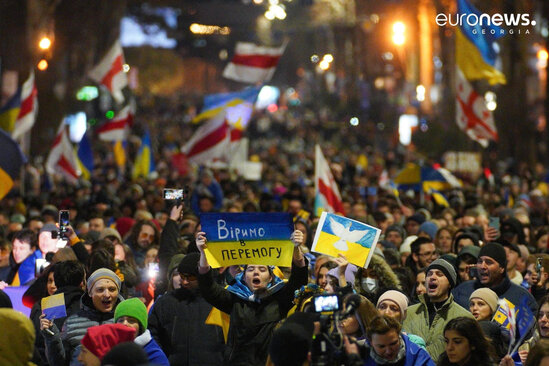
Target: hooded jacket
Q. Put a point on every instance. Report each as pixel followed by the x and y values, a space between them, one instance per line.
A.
pixel 175 321
pixel 62 348
pixel 154 353
pixel 417 322
pixel 16 344
pixel 386 278
pixel 252 318
pixel 415 355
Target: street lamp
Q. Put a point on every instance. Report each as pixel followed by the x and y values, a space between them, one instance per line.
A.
pixel 399 37
pixel 44 43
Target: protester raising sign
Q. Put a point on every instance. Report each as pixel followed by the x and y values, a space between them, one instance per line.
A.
pixel 248 238
pixel 338 234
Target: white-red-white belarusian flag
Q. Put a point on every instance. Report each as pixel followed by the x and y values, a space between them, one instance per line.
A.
pixel 110 73
pixel 118 128
pixel 28 110
pixel 472 115
pixel 62 159
pixel 210 142
pixel 327 196
pixel 252 63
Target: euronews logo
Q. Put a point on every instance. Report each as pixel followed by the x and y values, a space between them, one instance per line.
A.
pixel 510 21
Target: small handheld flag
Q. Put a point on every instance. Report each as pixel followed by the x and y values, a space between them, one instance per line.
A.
pixel 54 306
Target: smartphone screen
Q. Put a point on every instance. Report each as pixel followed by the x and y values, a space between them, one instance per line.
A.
pixel 494 222
pixel 173 194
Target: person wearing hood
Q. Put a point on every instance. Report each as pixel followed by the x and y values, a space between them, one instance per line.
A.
pixel 376 279
pixel 97 307
pixel 256 302
pixel 133 313
pixel 17 343
pixel 177 321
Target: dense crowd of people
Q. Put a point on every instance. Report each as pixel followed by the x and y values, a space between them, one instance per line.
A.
pixel 138 288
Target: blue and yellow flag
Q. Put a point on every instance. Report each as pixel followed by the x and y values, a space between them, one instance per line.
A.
pixel 340 235
pixel 11 162
pixel 248 238
pixel 85 156
pixel 54 306
pixel 475 51
pixel 505 315
pixel 144 162
pixel 439 198
pixel 215 103
pixel 119 151
pixel 10 111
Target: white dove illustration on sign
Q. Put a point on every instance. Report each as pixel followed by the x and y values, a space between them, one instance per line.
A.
pixel 345 234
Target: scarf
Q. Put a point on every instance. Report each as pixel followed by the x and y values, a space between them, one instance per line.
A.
pixel 240 289
pixel 381 361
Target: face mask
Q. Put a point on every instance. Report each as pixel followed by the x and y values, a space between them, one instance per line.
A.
pixel 368 284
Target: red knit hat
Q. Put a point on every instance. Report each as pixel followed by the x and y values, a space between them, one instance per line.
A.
pixel 100 339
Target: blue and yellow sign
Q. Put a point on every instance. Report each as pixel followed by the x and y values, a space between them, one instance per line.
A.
pixel 338 234
pixel 248 238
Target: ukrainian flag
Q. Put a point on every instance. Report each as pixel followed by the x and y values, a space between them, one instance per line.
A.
pixel 119 150
pixel 85 156
pixel 11 161
pixel 144 162
pixel 215 103
pixel 10 111
pixel 54 306
pixel 475 53
pixel 439 198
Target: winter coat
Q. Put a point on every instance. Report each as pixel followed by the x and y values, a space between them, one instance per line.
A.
pixel 177 323
pixel 415 355
pixel 386 279
pixel 62 348
pixel 72 295
pixel 154 353
pixel 417 322
pixel 252 319
pixel 506 289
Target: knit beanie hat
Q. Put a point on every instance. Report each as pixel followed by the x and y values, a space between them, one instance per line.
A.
pixel 132 307
pixel 494 251
pixel 417 217
pixel 100 339
pixel 398 298
pixel 405 247
pixel 127 353
pixel 429 228
pixel 446 268
pixel 189 264
pixel 103 273
pixel 399 229
pixel 291 342
pixel 488 296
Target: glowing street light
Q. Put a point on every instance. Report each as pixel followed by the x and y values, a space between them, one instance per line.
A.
pixel 42 65
pixel 45 43
pixel 399 37
pixel 542 56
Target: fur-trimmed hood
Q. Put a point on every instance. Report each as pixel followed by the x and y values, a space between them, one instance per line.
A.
pixel 386 277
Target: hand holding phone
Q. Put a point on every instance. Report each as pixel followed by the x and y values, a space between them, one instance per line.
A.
pixel 472 271
pixel 64 222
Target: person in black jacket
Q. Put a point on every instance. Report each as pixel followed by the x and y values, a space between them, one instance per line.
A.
pixel 256 303
pixel 177 322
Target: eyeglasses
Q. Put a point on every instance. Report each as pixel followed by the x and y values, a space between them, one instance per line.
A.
pixel 188 277
pixel 145 236
pixel 428 254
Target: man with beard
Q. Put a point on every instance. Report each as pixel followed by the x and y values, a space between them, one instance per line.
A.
pixel 177 322
pixel 437 307
pixel 492 273
pixel 424 252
